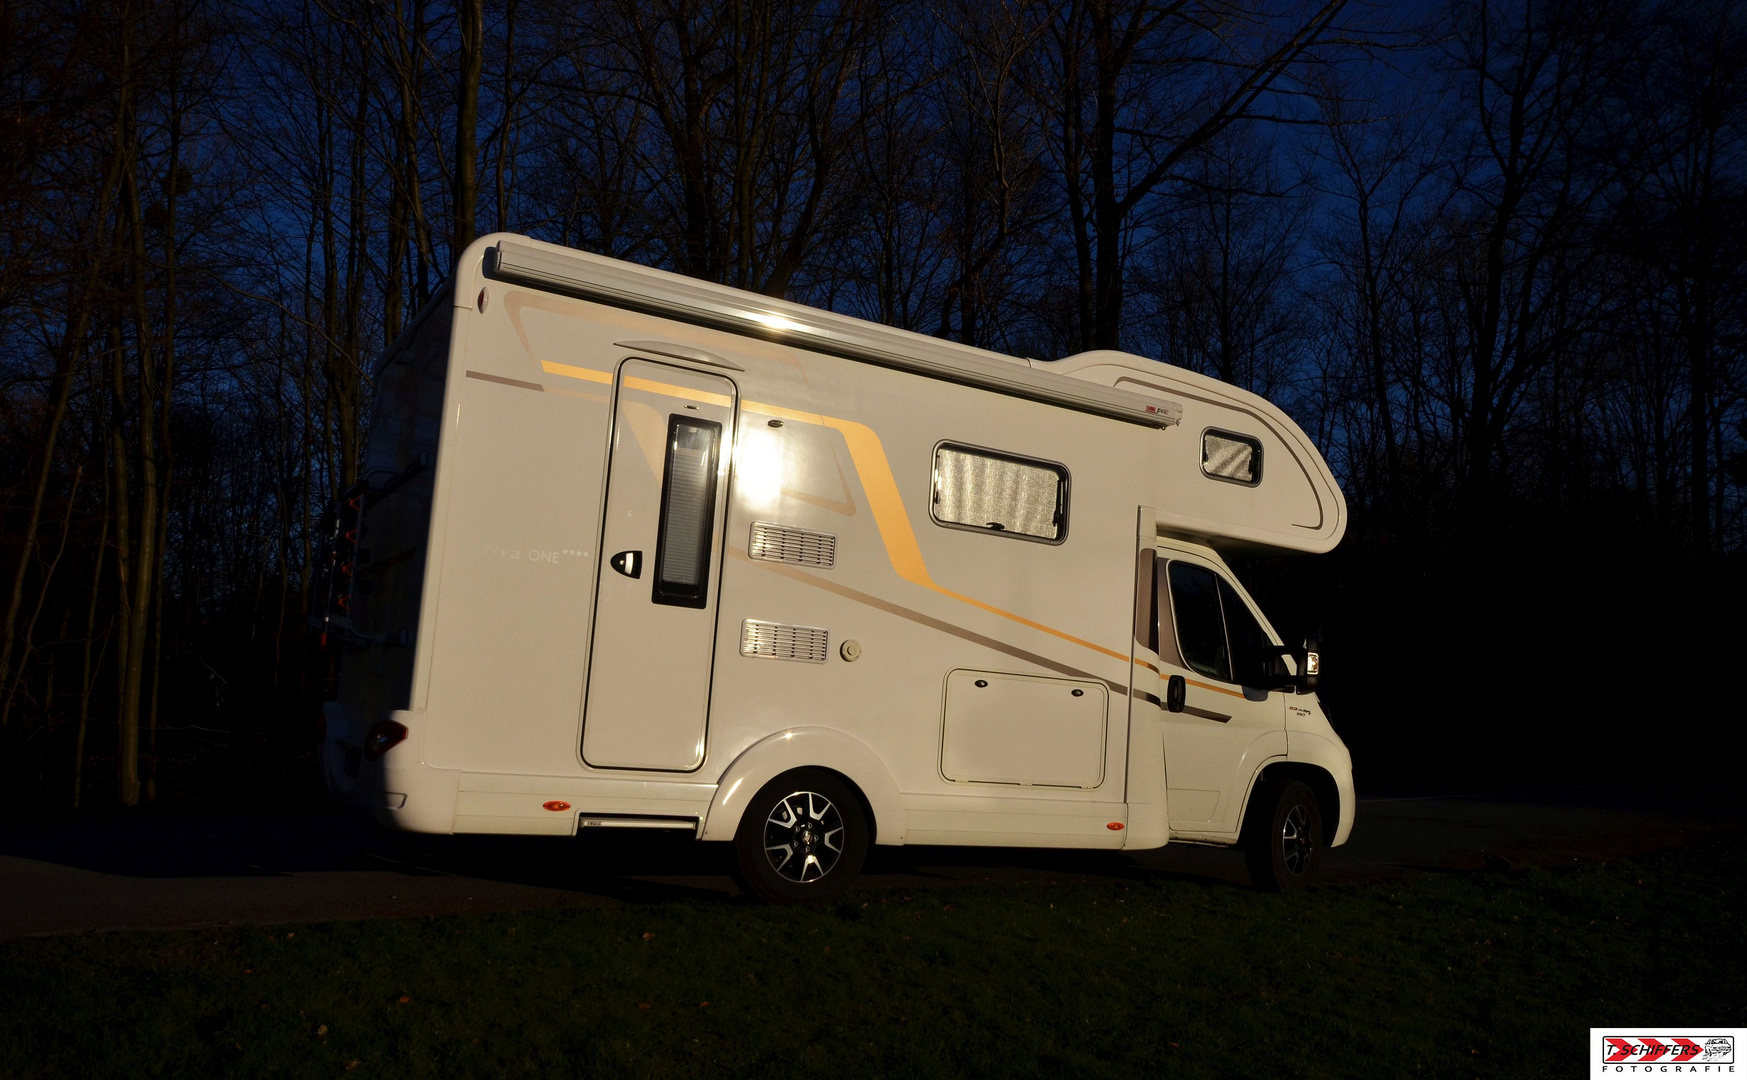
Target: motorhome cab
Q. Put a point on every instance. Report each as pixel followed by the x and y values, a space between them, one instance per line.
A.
pixel 635 551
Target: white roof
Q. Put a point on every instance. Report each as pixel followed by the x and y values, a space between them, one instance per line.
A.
pixel 626 285
pixel 1296 505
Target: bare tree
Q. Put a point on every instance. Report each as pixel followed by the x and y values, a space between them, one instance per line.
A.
pixel 1137 87
pixel 1687 216
pixel 1534 80
pixel 1384 188
pixel 1220 277
pixel 753 104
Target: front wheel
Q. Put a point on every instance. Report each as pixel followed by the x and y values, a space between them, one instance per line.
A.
pixel 803 837
pixel 1284 845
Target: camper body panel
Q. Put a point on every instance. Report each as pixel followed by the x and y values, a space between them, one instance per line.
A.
pixel 853 459
pixel 1295 505
pixel 517 587
pixel 508 674
pixel 820 444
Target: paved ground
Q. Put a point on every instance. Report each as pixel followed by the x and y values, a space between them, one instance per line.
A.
pixel 191 871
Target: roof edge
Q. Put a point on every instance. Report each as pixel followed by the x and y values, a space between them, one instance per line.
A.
pixel 657 292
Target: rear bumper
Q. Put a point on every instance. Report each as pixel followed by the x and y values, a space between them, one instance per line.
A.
pixel 415 797
pixel 398 790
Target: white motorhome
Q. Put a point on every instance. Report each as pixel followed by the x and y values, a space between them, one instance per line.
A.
pixel 637 551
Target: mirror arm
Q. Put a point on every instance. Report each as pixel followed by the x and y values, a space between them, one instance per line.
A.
pixel 1176 692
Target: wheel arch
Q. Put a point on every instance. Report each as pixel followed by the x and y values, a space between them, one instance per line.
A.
pixel 1318 779
pixel 798 748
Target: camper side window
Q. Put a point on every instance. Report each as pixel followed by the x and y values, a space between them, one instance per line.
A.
pixel 986 490
pixel 1226 455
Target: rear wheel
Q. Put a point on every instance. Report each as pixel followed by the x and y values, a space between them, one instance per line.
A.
pixel 1284 841
pixel 803 838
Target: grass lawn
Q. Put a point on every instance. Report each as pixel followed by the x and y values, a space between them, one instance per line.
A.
pixel 1443 975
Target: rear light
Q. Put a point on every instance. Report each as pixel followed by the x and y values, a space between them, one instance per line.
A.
pixel 1312 663
pixel 384 736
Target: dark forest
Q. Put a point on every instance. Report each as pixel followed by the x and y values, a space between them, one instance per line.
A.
pixel 1490 254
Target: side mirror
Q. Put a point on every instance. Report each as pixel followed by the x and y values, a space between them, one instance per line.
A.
pixel 1272 671
pixel 1309 662
pixel 1176 691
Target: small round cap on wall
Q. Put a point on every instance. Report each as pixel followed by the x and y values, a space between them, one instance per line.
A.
pixel 850 650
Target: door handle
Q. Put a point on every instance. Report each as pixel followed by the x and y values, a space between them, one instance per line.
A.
pixel 628 563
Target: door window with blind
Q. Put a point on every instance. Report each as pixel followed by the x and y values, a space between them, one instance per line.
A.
pixel 688 506
pixel 999 493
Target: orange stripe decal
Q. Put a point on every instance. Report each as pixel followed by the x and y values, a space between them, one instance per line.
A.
pixel 684 393
pixel 571 371
pixel 1215 689
pixel 881 486
pixel 873 468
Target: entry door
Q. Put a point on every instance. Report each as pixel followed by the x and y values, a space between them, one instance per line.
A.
pixel 1207 634
pixel 648 698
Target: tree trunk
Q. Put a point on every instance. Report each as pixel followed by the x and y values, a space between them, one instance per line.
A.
pixel 471 14
pixel 143 571
pixel 127 742
pixel 172 193
pixel 1107 214
pixel 87 677
pixel 501 174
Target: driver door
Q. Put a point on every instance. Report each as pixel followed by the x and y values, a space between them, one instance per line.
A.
pixel 1209 634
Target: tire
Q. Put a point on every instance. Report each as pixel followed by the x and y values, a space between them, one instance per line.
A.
pixel 802 840
pixel 1283 844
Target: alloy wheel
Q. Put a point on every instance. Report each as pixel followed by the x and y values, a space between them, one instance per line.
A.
pixel 803 836
pixel 1297 845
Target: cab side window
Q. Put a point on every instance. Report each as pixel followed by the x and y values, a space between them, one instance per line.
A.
pixel 1200 625
pixel 1250 647
pixel 1218 636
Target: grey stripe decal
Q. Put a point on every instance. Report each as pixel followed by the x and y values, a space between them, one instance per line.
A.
pixel 927 620
pixel 1217 717
pixel 483 377
pixel 1190 709
pixel 969 635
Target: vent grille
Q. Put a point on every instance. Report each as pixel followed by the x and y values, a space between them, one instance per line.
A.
pixel 782 543
pixel 779 641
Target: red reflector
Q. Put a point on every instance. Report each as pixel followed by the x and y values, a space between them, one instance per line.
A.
pixel 556 804
pixel 1115 826
pixel 384 735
